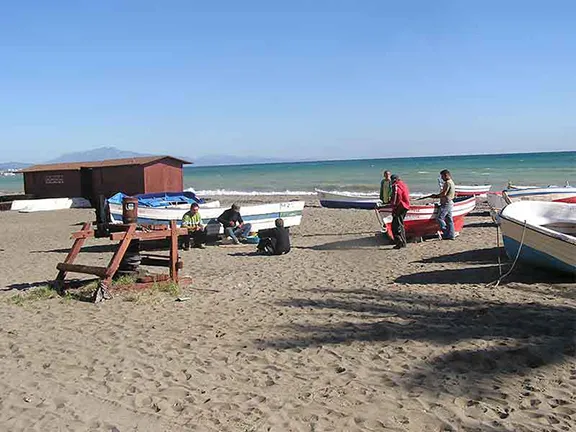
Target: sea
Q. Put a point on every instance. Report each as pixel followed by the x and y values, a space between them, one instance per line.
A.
pixel 363 175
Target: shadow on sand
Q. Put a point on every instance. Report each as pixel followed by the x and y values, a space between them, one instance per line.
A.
pixel 526 335
pixel 373 241
pixel 484 275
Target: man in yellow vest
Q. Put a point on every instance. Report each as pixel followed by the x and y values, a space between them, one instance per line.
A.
pixel 196 231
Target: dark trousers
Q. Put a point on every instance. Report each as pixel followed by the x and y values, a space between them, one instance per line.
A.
pixel 196 237
pixel 398 227
pixel 267 245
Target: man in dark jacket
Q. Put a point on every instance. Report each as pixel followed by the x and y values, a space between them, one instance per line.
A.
pixel 274 241
pixel 234 226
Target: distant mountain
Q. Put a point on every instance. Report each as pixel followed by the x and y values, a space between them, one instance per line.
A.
pixel 96 155
pixel 233 160
pixel 13 165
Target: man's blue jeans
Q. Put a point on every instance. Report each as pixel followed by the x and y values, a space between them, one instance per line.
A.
pixel 445 220
pixel 236 232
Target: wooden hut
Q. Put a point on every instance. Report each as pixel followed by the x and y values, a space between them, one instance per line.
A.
pixel 89 179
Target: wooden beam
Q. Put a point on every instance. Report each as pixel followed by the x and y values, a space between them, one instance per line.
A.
pixel 80 268
pixel 119 254
pixel 74 251
pixel 82 234
pixel 149 235
pixel 173 251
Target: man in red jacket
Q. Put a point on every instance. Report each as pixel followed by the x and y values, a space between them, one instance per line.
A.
pixel 400 206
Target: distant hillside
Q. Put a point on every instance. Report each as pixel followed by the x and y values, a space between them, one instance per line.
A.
pixel 13 165
pixel 96 155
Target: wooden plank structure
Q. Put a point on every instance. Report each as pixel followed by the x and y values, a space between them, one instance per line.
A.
pixel 125 233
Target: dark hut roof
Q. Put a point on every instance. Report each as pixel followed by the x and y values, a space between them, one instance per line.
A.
pixel 74 166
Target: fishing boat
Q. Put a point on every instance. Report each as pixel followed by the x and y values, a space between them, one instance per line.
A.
pixel 566 194
pixel 420 221
pixel 476 190
pixel 541 234
pixel 260 216
pixel 347 200
pixel 49 204
pixel 166 199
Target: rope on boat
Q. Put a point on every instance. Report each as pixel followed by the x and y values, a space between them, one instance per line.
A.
pixel 497 282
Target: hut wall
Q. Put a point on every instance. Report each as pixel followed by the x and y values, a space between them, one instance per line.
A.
pixel 128 179
pixel 53 184
pixel 163 176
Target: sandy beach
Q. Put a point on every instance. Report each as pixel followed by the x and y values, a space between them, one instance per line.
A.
pixel 342 334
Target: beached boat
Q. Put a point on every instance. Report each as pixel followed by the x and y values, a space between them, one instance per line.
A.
pixel 476 190
pixel 565 194
pixel 166 199
pixel 420 221
pixel 260 216
pixel 48 204
pixel 543 232
pixel 346 200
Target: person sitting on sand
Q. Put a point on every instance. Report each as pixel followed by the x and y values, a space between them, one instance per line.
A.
pixel 234 226
pixel 385 188
pixel 196 231
pixel 400 206
pixel 446 195
pixel 274 241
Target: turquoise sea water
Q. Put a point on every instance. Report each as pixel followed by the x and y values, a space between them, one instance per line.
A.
pixel 421 174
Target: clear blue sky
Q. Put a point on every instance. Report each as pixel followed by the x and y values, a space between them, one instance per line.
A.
pixel 293 79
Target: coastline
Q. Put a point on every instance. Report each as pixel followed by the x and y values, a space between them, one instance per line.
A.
pixel 343 333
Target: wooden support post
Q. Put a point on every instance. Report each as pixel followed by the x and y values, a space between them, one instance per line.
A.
pixel 74 251
pixel 119 254
pixel 173 251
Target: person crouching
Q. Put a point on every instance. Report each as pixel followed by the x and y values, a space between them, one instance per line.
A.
pixel 274 241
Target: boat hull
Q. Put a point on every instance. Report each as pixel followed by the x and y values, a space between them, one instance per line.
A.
pixel 420 221
pixel 555 194
pixel 260 216
pixel 347 201
pixel 478 191
pixel 540 246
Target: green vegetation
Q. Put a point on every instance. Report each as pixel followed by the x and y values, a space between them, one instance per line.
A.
pixel 43 292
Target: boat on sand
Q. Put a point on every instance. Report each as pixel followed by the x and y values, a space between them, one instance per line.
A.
pixel 347 200
pixel 260 216
pixel 541 234
pixel 420 221
pixel 476 190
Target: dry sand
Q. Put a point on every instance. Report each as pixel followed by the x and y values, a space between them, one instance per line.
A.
pixel 342 334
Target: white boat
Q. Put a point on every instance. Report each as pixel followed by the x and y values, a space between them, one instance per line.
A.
pixel 260 216
pixel 420 221
pixel 48 204
pixel 347 200
pixel 543 232
pixel 476 190
pixel 565 194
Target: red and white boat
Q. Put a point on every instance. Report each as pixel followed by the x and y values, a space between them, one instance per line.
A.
pixel 476 190
pixel 420 221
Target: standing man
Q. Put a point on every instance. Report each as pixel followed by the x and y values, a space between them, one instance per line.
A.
pixel 446 195
pixel 385 188
pixel 234 226
pixel 196 231
pixel 400 206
